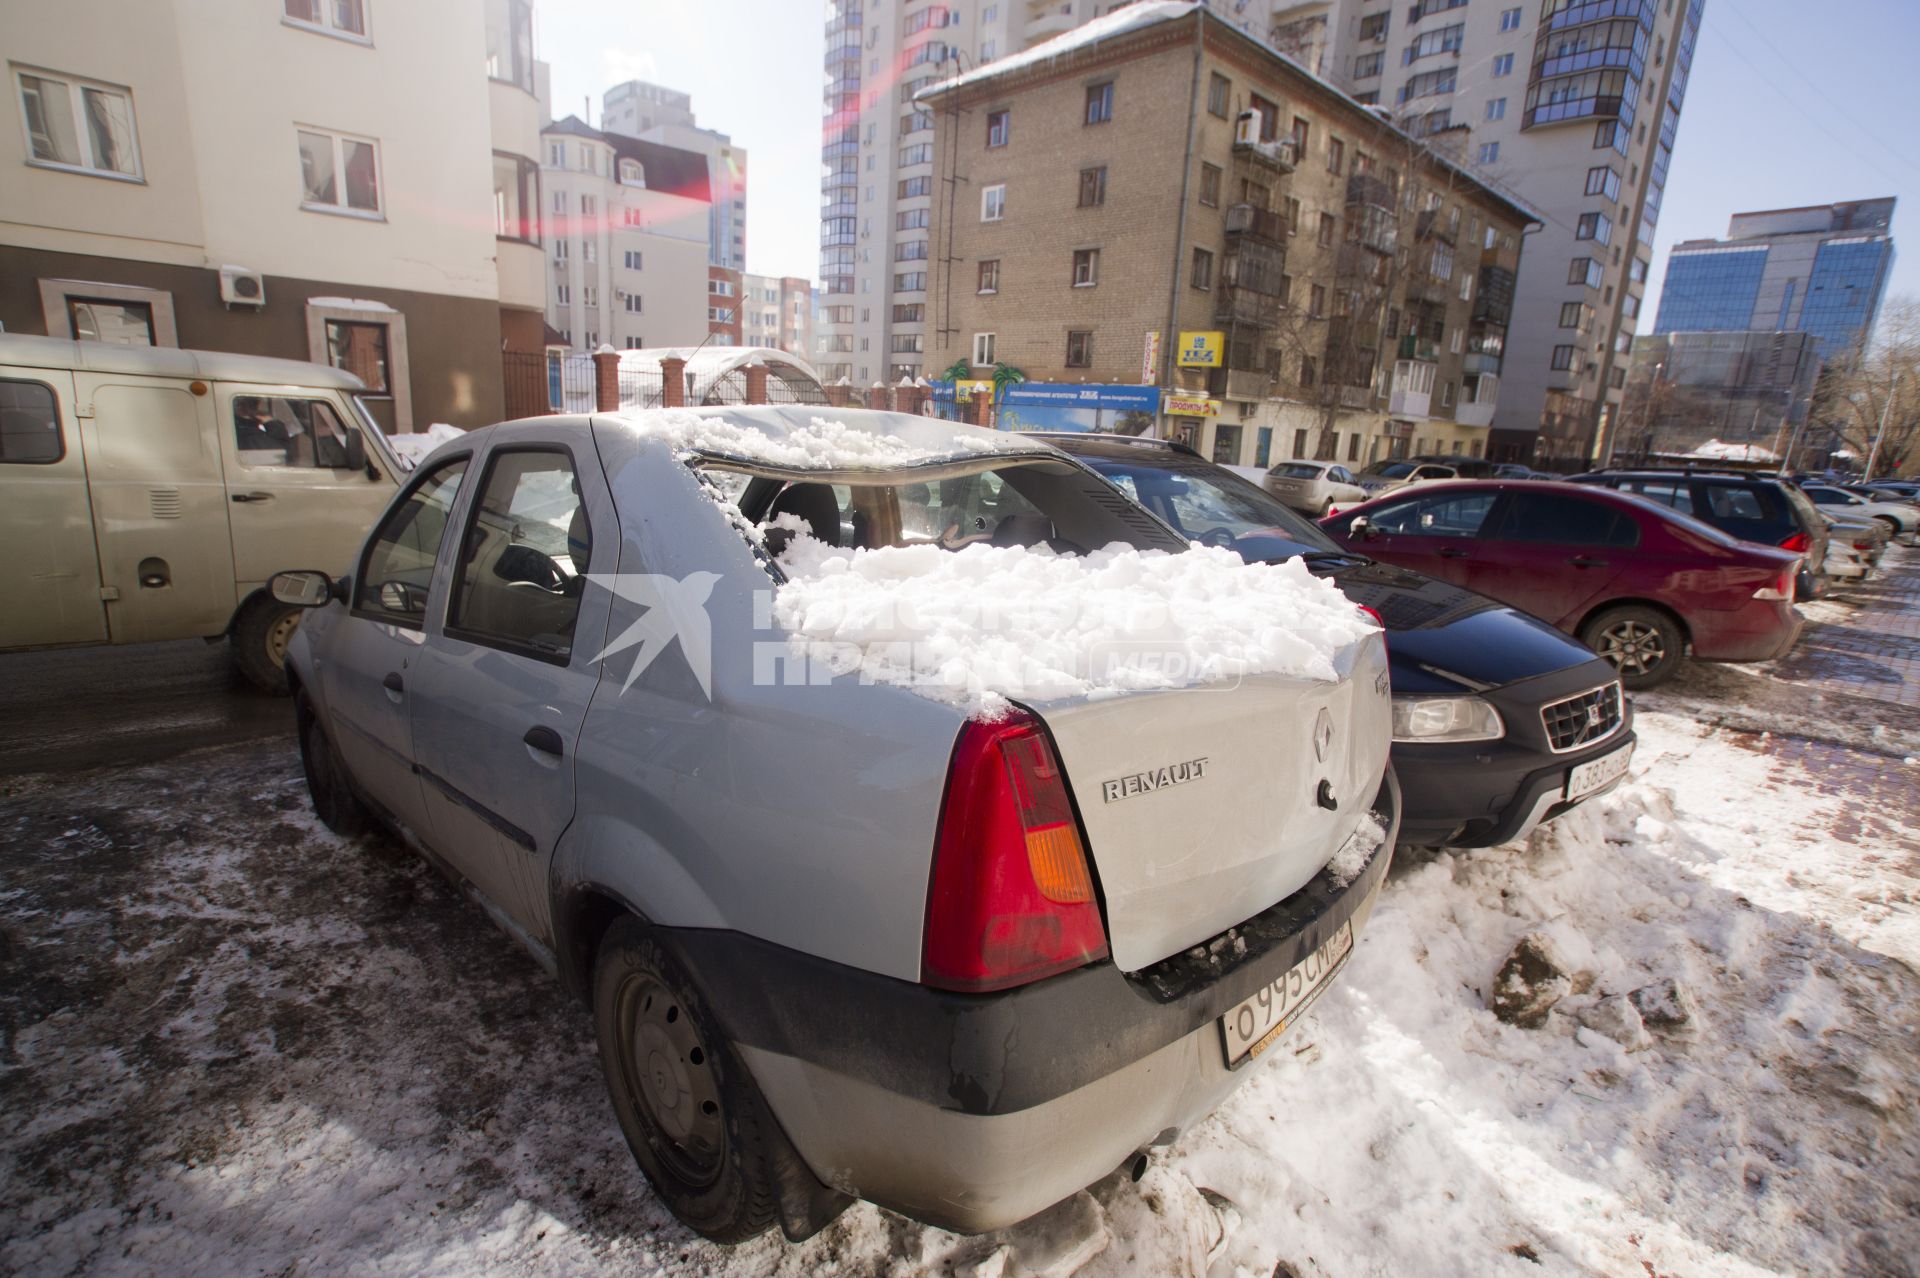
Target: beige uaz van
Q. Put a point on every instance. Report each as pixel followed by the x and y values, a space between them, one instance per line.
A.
pixel 148 493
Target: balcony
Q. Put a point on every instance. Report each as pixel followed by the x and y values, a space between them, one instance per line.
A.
pixel 1417 348
pixel 1044 21
pixel 1366 189
pixel 1582 12
pixel 1233 304
pixel 1277 154
pixel 1476 363
pixel 1243 384
pixel 1493 297
pixel 1256 223
pixel 1431 226
pixel 1412 393
pixel 1479 398
pixel 1425 290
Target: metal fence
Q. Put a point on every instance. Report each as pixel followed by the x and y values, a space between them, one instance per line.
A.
pixel 524 381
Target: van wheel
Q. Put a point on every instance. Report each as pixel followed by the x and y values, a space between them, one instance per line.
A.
pixel 334 801
pixel 1643 644
pixel 693 1118
pixel 260 641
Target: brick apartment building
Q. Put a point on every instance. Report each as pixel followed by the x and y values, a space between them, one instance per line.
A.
pixel 1161 200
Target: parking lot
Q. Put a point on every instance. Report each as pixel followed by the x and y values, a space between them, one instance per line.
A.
pixel 231 1042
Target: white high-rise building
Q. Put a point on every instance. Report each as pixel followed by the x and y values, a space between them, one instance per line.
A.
pixel 654 113
pixel 876 149
pixel 1572 105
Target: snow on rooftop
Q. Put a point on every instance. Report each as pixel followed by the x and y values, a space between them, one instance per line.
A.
pixel 984 626
pixel 1718 451
pixel 351 304
pixel 800 437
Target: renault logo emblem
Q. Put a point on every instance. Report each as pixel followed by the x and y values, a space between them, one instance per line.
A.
pixel 1322 735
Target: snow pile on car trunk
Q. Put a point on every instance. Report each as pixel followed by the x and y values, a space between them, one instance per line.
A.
pixel 984 626
pixel 822 443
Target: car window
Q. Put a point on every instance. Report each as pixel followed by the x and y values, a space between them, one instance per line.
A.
pixel 1340 475
pixel 398 567
pixel 1198 500
pixel 281 430
pixel 1389 470
pixel 1455 516
pixel 1295 470
pixel 1734 503
pixel 523 559
pixel 1433 472
pixel 1667 493
pixel 1830 497
pixel 1559 519
pixel 29 424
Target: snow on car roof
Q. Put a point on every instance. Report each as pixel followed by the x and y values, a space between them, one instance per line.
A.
pixel 985 626
pixel 817 442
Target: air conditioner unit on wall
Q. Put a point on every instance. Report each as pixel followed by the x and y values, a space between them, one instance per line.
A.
pixel 242 287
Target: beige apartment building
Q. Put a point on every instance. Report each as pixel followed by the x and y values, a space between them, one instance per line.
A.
pixel 352 182
pixel 1157 199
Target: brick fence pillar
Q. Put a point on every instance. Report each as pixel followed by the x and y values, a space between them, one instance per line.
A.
pixel 673 382
pixel 909 399
pixel 839 395
pixel 980 407
pixel 877 397
pixel 756 383
pixel 606 380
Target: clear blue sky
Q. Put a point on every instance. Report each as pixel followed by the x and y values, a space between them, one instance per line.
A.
pixel 1790 103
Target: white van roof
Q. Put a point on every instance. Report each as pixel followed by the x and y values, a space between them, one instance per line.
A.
pixel 24 350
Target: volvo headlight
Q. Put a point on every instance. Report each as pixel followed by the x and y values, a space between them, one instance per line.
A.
pixel 1438 719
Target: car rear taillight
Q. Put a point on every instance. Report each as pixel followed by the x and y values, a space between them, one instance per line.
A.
pixel 1372 614
pixel 1331 512
pixel 1781 588
pixel 1799 543
pixel 1012 898
pixel 1864 545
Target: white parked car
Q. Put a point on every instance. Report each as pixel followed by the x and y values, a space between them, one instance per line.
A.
pixel 1383 477
pixel 1314 488
pixel 1902 518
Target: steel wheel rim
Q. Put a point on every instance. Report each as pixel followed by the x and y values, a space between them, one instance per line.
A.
pixel 1633 647
pixel 669 1076
pixel 279 635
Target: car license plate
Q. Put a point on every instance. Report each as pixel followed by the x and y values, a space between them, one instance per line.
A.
pixel 1598 773
pixel 1257 1024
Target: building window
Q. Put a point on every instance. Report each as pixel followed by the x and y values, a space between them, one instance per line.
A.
pixel 1293 215
pixel 1497 109
pixel 1594 226
pixel 907 343
pixel 1586 271
pixel 1079 350
pixel 1093 187
pixel 1210 184
pixel 633 303
pixel 1604 180
pixel 334 17
pixel 1368 65
pixel 1309 376
pixel 993 203
pixel 590 294
pixel 983 350
pixel 1099 103
pixel 339 174
pixel 1219 94
pixel 1374 26
pixel 1574 315
pixel 998 124
pixel 631 259
pixel 516 198
pixel 1503 65
pixel 1489 152
pixel 921 154
pixel 910 282
pixel 1317 302
pixel 1326 232
pixel 911 187
pixel 361 349
pixel 589 251
pixel 1336 155
pixel 1510 19
pixel 989 275
pixel 510 44
pixel 910 219
pixel 1086 268
pixel 1562 358
pixel 1202 269
pixel 78 125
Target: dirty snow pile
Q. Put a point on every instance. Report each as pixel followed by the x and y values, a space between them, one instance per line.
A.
pixel 822 444
pixel 411 448
pixel 984 626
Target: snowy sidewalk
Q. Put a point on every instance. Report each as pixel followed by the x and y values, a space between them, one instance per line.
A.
pixel 231 1043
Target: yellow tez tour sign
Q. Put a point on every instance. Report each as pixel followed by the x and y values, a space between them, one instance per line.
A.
pixel 1201 350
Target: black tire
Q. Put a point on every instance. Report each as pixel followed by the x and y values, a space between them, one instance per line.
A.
pixel 1644 644
pixel 693 1118
pixel 260 640
pixel 334 801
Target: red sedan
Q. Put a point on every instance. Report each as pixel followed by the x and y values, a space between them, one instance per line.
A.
pixel 1640 584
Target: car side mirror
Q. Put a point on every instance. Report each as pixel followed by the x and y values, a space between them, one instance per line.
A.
pixel 356 449
pixel 301 588
pixel 1363 528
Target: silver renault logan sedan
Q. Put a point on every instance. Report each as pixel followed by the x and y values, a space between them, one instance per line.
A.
pixel 839 939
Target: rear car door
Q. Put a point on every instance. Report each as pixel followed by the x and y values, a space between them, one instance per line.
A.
pixel 159 506
pixel 1437 534
pixel 50 575
pixel 296 502
pixel 376 653
pixel 1552 553
pixel 504 680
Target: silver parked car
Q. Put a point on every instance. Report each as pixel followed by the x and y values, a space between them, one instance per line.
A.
pixel 838 938
pixel 1314 488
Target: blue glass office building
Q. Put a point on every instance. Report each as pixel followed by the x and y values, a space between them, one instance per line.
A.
pixel 1820 270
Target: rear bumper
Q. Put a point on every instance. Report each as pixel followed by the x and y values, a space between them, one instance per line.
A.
pixel 1757 631
pixel 972 1112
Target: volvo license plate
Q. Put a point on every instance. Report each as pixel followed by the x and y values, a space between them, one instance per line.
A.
pixel 1597 774
pixel 1258 1023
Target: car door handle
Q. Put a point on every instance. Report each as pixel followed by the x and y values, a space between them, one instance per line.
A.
pixel 543 739
pixel 1453 552
pixel 253 496
pixel 394 685
pixel 1583 561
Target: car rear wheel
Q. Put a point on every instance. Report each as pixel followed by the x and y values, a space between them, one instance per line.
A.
pixel 260 641
pixel 1644 644
pixel 334 801
pixel 693 1118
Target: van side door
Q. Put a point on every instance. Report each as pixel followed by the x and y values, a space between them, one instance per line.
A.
pixel 159 506
pixel 296 502
pixel 50 574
